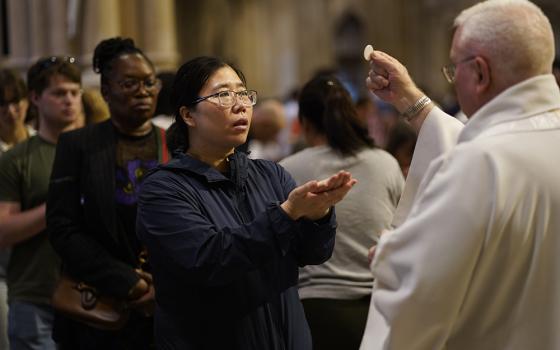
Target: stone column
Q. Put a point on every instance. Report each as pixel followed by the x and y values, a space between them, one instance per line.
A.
pixel 37 36
pixel 282 62
pixel 28 38
pixel 384 23
pixel 100 21
pixel 18 34
pixel 56 39
pixel 157 27
pixel 248 43
pixel 314 37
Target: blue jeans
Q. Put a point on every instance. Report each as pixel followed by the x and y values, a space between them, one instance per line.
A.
pixel 30 326
pixel 3 315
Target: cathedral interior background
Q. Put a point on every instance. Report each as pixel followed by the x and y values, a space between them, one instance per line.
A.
pixel 279 44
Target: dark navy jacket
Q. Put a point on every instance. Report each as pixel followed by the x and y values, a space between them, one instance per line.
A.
pixel 225 256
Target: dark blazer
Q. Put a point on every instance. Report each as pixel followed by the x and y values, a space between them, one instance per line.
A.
pixel 225 256
pixel 81 210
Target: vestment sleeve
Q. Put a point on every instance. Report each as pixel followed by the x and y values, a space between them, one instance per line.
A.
pixel 423 268
pixel 437 136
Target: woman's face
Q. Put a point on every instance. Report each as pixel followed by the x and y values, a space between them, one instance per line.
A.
pixel 213 127
pixel 14 109
pixel 132 90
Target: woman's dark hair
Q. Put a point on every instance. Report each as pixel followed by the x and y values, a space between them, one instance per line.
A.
pixel 164 105
pixel 401 135
pixel 189 80
pixel 110 49
pixel 11 84
pixel 328 107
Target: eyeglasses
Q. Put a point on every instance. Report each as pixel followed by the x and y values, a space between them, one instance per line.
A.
pixel 228 98
pixel 132 85
pixel 449 70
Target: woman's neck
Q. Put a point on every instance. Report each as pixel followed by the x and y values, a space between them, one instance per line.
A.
pixel 13 134
pixel 133 130
pixel 218 160
pixel 315 139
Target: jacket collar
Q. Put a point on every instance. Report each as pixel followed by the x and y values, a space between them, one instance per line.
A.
pixel 238 162
pixel 529 98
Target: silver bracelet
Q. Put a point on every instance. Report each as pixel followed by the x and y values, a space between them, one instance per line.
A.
pixel 416 107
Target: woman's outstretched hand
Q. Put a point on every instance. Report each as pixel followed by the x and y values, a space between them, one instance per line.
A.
pixel 313 199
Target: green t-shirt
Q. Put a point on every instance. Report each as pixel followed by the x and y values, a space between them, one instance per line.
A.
pixel 34 267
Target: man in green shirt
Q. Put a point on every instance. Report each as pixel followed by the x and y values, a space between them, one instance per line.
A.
pixel 55 89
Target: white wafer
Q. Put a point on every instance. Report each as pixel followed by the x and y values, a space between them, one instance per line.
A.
pixel 368 50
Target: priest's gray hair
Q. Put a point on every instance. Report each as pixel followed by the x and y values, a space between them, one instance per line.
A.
pixel 514 35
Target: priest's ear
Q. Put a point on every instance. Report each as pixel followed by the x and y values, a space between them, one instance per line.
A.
pixel 483 72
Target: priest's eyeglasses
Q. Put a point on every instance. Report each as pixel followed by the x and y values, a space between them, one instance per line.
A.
pixel 449 70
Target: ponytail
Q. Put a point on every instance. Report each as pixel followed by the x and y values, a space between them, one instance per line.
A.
pixel 328 107
pixel 342 127
pixel 177 136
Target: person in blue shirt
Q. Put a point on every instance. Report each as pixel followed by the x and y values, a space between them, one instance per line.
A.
pixel 226 234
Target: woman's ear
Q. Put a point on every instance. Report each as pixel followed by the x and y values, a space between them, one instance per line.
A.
pixel 187 116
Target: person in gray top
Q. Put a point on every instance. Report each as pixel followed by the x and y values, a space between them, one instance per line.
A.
pixel 336 293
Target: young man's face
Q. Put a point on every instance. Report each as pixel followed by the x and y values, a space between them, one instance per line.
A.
pixel 60 103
